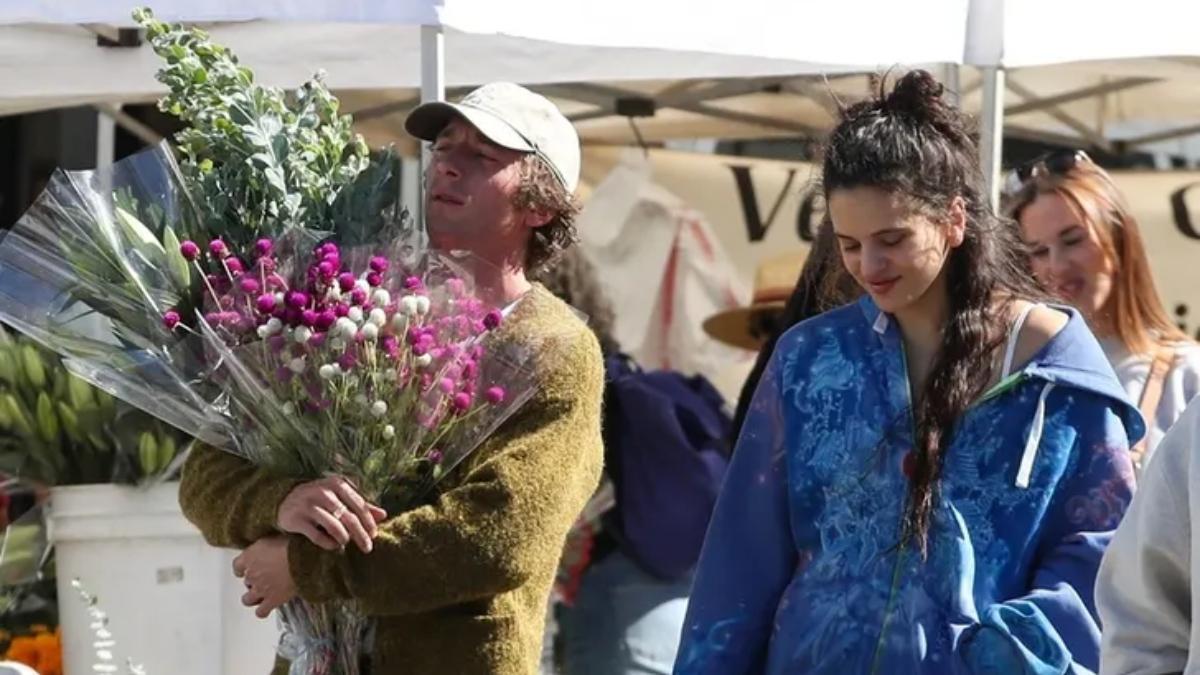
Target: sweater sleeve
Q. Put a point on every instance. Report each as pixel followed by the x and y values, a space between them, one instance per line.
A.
pixel 1052 627
pixel 233 502
pixel 1144 592
pixel 749 554
pixel 502 523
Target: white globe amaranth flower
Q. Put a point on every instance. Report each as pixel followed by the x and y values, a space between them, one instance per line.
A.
pixel 370 332
pixel 362 285
pixel 337 344
pixel 399 322
pixel 274 325
pixel 422 305
pixel 377 317
pixel 302 334
pixel 328 371
pixel 424 360
pixel 289 408
pixel 408 305
pixel 362 399
pixel 355 314
pixel 379 408
pixel 381 297
pixel 278 298
pixel 334 293
pixel 297 365
pixel 389 431
pixel 263 331
pixel 390 376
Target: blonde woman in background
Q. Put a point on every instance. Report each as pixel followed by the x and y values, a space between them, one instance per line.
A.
pixel 1086 248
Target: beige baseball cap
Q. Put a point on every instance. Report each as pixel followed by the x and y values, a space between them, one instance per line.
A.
pixel 510 116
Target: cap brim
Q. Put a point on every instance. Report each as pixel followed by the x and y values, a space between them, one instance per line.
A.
pixel 428 120
pixel 732 326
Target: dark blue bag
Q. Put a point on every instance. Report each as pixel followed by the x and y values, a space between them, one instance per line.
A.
pixel 666 450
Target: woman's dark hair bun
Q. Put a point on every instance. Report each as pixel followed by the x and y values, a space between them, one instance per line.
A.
pixel 918 95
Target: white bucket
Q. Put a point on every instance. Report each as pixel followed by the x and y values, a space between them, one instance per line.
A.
pixel 172 601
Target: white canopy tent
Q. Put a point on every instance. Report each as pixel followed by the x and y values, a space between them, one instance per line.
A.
pixel 46 58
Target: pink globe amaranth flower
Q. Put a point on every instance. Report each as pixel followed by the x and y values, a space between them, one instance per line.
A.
pixel 328 248
pixel 234 266
pixel 213 318
pixel 189 250
pixel 413 283
pixel 347 360
pixel 435 456
pixel 358 296
pixel 492 319
pixel 346 281
pixel 341 309
pixel 456 287
pixel 171 319
pixel 297 299
pixel 309 317
pixel 283 374
pixel 390 346
pixel 437 353
pixel 317 340
pixel 231 318
pixel 219 283
pixel 226 302
pixel 420 349
pixel 326 319
pixel 249 285
pixel 265 303
pixel 276 282
pixel 292 316
pixel 447 385
pixel 379 264
pixel 374 278
pixel 470 369
pixel 494 395
pixel 265 264
pixel 246 324
pixel 461 402
pixel 327 270
pixel 218 249
pixel 263 247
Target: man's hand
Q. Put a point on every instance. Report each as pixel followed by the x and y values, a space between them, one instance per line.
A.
pixel 330 513
pixel 264 568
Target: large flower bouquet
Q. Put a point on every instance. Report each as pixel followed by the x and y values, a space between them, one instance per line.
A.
pixel 262 291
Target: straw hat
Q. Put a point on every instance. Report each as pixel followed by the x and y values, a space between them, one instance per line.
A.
pixel 774 281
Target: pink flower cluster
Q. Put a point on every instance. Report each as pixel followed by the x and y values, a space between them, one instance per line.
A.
pixel 367 336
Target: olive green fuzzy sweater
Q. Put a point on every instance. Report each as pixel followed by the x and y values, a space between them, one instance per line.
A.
pixel 458 586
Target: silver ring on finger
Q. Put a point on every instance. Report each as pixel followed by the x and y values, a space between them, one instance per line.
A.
pixel 339 512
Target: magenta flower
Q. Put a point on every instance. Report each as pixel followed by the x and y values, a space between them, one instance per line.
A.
pixel 341 309
pixel 249 286
pixel 317 340
pixel 283 374
pixel 265 303
pixel 218 249
pixel 390 346
pixel 326 319
pixel 492 319
pixel 328 248
pixel 447 385
pixel 263 247
pixel 276 282
pixel 374 278
pixel 234 266
pixel 413 283
pixel 171 319
pixel 456 287
pixel 379 264
pixel 309 317
pixel 189 250
pixel 326 270
pixel 347 360
pixel 345 281
pixel 297 299
pixel 434 456
pixel 494 395
pixel 461 402
pixel 266 264
pixel 470 369
pixel 213 318
pixel 358 296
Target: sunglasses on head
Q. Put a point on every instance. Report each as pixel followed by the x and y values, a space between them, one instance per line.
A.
pixel 1054 163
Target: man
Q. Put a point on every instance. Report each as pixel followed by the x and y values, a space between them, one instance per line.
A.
pixel 1147 592
pixel 459 585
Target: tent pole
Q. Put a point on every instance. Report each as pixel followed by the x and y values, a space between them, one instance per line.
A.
pixel 991 132
pixel 433 88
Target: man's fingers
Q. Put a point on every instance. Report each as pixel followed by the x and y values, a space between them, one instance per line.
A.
pixel 332 526
pixel 358 532
pixel 251 598
pixel 263 611
pixel 317 536
pixel 239 566
pixel 377 513
pixel 358 505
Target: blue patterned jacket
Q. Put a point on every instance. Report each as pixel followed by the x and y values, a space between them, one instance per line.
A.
pixel 801 572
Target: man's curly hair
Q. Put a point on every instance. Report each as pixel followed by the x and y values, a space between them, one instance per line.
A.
pixel 540 190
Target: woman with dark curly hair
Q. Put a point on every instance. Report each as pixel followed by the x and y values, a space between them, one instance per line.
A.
pixel 927 477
